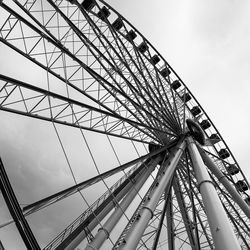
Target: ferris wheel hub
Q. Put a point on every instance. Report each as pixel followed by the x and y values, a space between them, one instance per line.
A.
pixel 196 131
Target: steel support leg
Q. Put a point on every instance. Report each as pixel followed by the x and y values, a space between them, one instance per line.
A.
pixel 103 232
pixel 134 235
pixel 229 187
pixel 221 229
pixel 170 222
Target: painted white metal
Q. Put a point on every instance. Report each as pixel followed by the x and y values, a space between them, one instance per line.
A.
pixel 133 237
pixel 103 232
pixel 229 187
pixel 221 229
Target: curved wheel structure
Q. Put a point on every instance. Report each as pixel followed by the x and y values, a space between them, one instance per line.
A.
pixel 147 180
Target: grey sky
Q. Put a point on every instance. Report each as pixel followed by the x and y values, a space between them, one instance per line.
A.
pixel 206 42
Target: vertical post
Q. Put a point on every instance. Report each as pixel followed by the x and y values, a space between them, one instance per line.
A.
pixel 134 235
pixel 221 229
pixel 103 232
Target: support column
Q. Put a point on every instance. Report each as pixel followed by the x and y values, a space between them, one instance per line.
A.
pixel 229 187
pixel 170 223
pixel 134 235
pixel 103 233
pixel 221 229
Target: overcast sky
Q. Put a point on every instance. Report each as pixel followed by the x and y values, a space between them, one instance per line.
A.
pixel 206 42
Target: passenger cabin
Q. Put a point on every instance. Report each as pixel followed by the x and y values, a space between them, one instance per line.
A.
pixel 103 13
pixel 186 97
pixel 88 4
pixel 155 59
pixel 131 35
pixel 232 169
pixel 165 72
pixel 143 47
pixel 117 24
pixel 205 124
pixel 247 200
pixel 175 84
pixel 223 153
pixel 241 186
pixel 195 110
pixel 214 137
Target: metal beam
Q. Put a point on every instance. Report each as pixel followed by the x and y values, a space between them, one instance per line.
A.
pixel 15 211
pixel 222 232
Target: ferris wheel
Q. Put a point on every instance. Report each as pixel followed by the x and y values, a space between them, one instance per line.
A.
pixel 154 172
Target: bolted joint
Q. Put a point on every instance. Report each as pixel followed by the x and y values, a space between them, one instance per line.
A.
pixel 150 210
pixel 105 231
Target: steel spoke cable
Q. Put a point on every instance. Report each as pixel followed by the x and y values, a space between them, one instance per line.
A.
pixel 81 35
pixel 174 94
pixel 117 38
pixel 120 91
pixel 170 111
pixel 146 68
pixel 153 49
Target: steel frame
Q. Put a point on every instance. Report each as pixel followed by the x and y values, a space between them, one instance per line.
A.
pixel 123 95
